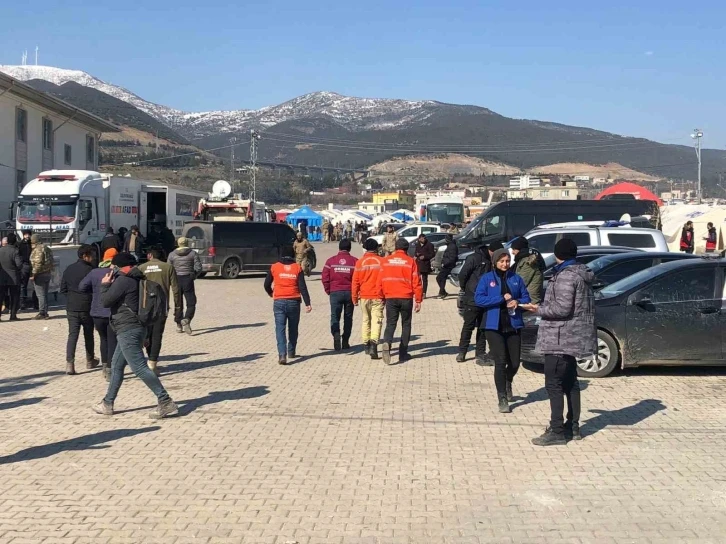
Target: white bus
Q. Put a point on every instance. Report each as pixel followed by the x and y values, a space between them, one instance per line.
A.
pixel 445 209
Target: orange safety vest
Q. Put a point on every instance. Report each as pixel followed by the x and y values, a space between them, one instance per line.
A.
pixel 285 281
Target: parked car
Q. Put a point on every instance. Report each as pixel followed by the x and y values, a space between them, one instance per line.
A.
pixel 231 248
pixel 669 314
pixel 412 231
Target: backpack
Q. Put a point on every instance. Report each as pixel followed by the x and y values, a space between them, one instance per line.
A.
pixel 152 302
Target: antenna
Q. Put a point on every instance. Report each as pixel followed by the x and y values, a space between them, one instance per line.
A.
pixel 36 55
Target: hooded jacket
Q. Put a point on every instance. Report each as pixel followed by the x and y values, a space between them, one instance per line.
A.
pixel 489 296
pixel 186 262
pixel 530 265
pixel 92 284
pixel 567 326
pixel 122 298
pixel 163 274
pixel 41 259
pixel 475 266
pixel 451 254
pixel 77 300
pixel 338 272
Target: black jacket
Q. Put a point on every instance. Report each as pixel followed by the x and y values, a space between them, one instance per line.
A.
pixel 451 254
pixel 122 297
pixel 76 300
pixel 110 241
pixel 25 250
pixel 476 265
pixel 10 265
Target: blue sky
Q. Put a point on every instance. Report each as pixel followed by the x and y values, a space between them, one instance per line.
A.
pixel 654 69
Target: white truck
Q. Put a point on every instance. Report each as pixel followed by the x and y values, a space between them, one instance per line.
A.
pixel 73 207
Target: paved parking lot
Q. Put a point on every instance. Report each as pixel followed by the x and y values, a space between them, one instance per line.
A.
pixel 340 449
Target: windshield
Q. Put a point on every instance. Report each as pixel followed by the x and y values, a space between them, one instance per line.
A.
pixel 40 212
pixel 626 284
pixel 445 213
pixel 600 263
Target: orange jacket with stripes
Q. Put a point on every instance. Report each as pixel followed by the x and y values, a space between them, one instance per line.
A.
pixel 365 277
pixel 400 278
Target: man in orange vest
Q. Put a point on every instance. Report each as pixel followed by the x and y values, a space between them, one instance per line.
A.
pixel 401 286
pixel 367 290
pixel 285 283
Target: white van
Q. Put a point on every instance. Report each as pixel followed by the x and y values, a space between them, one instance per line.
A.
pixel 543 239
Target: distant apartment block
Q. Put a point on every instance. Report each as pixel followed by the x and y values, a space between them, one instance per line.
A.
pixel 544 193
pixel 524 182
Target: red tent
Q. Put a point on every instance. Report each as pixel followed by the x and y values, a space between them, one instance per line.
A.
pixel 627 188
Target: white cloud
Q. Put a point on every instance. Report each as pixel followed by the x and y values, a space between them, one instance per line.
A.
pixel 649 53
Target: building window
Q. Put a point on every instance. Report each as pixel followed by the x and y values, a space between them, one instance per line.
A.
pixel 565 193
pixel 90 150
pixel 21 124
pixel 20 179
pixel 67 155
pixel 544 194
pixel 47 134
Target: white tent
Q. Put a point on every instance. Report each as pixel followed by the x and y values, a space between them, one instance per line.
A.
pixel 674 217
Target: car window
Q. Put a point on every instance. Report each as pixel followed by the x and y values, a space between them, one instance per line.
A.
pixel 622 270
pixel 231 235
pixel 633 239
pixel 407 232
pixel 427 230
pixel 682 286
pixel 544 243
pixel 262 235
pixel 493 225
pixel 580 238
pixel 285 236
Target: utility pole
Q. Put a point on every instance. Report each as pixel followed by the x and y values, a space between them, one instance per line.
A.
pixel 232 141
pixel 697 135
pixel 254 137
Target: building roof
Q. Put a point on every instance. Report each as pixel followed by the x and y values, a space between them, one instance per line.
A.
pixel 62 107
pixel 627 188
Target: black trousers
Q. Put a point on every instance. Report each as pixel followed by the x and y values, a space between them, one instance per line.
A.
pixel 425 283
pixel 155 334
pixel 504 348
pixel 441 278
pixel 11 298
pixel 341 302
pixel 24 280
pixel 76 322
pixel 189 296
pixel 108 339
pixel 472 319
pixel 560 382
pixel 396 307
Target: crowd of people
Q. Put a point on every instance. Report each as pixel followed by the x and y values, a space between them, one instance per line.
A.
pixel 337 231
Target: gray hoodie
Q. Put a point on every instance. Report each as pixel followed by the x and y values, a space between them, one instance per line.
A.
pixel 185 261
pixel 568 314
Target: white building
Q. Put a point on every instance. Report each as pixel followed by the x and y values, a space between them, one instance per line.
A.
pixel 544 193
pixel 582 178
pixel 524 181
pixel 40 132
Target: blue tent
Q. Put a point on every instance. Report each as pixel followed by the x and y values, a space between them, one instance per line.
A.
pixel 403 216
pixel 308 218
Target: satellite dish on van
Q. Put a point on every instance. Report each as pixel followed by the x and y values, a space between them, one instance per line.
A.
pixel 221 189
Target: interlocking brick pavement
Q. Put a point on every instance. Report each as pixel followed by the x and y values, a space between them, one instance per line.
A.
pixel 341 449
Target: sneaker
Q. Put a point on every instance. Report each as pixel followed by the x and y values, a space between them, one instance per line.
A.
pixel 386 352
pixel 93 363
pixel 70 368
pixel 510 395
pixel 443 295
pixel 39 317
pixel 103 408
pixel 461 357
pixel 572 431
pixel 504 406
pixel 336 342
pixel 179 328
pixel 282 360
pixel 373 351
pixel 46 316
pixel 186 326
pixel 549 439
pixel 165 409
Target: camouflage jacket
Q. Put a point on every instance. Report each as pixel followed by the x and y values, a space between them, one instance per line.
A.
pixel 41 259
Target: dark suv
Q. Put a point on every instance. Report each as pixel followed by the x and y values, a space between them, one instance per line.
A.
pixel 231 248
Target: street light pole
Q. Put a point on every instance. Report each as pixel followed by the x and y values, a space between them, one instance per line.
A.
pixel 697 135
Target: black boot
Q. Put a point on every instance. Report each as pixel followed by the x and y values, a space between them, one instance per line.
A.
pixel 336 342
pixel 503 405
pixel 550 438
pixel 510 395
pixel 572 430
pixel 386 351
pixel 346 343
pixel 461 357
pixel 403 355
pixel 374 351
pixel 367 348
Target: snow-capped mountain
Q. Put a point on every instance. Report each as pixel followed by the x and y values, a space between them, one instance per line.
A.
pixel 354 114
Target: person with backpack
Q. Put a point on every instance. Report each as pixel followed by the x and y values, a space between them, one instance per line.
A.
pixel 188 266
pixel 475 266
pixel 162 273
pixel 134 302
pixel 42 265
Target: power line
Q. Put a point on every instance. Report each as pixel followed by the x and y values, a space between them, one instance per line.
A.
pixel 177 156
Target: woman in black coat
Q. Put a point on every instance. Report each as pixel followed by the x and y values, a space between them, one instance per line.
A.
pixel 425 252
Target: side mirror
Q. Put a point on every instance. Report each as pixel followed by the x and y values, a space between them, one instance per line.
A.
pixel 640 299
pixel 598 284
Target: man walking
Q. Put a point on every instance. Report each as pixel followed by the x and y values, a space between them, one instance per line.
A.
pixel 302 247
pixel 133 241
pixel 366 289
pixel 25 250
pixel 400 284
pixel 187 266
pixel 424 254
pixel 337 281
pixel 78 309
pixel 476 265
pixel 566 331
pixel 42 265
pixel 11 265
pixel 389 241
pixel 285 283
pixel 448 263
pixel 162 273
pixel 326 237
pixel 120 293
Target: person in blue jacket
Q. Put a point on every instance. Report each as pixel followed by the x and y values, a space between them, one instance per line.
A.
pixel 500 292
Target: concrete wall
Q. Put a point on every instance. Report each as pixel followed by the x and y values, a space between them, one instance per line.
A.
pixel 71 133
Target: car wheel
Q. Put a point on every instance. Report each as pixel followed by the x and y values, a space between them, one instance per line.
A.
pixel 230 269
pixel 603 362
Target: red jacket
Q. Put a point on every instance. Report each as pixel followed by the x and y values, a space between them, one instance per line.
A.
pixel 365 277
pixel 338 272
pixel 400 278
